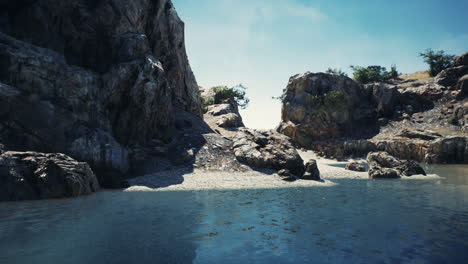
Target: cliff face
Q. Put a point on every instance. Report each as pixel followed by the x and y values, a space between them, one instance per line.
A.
pixel 92 79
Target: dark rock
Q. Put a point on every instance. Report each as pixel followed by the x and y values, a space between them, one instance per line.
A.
pixel 410 168
pixel 425 135
pixel 32 175
pixel 461 60
pixel 267 149
pixel 93 79
pixel 355 166
pixel 449 77
pixel 462 86
pixel 383 165
pixel 311 171
pixel 383 173
pixel 230 121
pixel 286 175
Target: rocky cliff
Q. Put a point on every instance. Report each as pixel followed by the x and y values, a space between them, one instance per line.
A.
pixel 93 79
pixel 340 118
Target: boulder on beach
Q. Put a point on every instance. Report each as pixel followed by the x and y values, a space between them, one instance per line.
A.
pixel 33 175
pixel 355 166
pixel 311 171
pixel 267 149
pixel 384 165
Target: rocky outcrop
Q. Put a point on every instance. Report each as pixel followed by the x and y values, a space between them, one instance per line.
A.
pixel 93 79
pixel 384 166
pixel 320 106
pixel 32 175
pixel 268 150
pixel 311 171
pixel 450 76
pixel 224 115
pixel 286 175
pixel 461 60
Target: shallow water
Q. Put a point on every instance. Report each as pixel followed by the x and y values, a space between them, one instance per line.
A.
pixel 355 221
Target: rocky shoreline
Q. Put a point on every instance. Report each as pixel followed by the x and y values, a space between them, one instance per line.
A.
pixel 92 94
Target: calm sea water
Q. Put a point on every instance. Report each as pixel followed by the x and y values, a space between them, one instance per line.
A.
pixel 356 221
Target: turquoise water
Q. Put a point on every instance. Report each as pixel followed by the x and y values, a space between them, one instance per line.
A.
pixel 355 221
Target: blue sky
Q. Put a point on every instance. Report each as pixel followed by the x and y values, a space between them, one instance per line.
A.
pixel 261 43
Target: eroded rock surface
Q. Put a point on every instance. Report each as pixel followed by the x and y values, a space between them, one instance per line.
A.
pixel 267 149
pixel 97 80
pixel 33 175
pixel 383 166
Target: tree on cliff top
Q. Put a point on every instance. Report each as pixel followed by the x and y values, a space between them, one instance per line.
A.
pixel 437 60
pixel 374 73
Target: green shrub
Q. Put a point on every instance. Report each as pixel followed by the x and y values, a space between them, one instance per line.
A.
pixel 374 73
pixel 437 60
pixel 331 100
pixel 337 71
pixel 223 93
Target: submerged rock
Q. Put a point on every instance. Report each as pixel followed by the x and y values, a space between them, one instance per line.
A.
pixel 33 175
pixel 267 149
pixel 383 165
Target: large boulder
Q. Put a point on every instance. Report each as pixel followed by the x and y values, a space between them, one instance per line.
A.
pixel 320 106
pixel 355 166
pixel 383 165
pixel 450 76
pixel 32 175
pixel 311 171
pixel 267 149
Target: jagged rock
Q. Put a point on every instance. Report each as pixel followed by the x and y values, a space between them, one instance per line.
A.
pixel 448 150
pixel 221 109
pixel 449 77
pixel 383 165
pixel 461 60
pixel 32 175
pixel 462 86
pixel 286 175
pixel 425 135
pixel 267 149
pixel 355 166
pixel 383 173
pixel 384 97
pixel 311 171
pixel 321 106
pixel 93 79
pixel 30 123
pixel 225 116
pixel 230 120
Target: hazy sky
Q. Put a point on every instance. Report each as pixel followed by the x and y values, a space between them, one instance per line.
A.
pixel 261 43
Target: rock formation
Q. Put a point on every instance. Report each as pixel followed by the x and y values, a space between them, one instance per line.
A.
pixel 96 80
pixel 311 171
pixel 32 175
pixel 355 166
pixel 267 149
pixel 383 166
pixel 340 118
pixel 319 106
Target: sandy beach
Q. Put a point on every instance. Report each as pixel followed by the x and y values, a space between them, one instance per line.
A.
pixel 219 180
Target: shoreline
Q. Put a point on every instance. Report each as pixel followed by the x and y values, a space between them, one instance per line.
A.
pixel 223 180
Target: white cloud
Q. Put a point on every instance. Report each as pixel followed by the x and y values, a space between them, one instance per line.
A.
pixel 302 11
